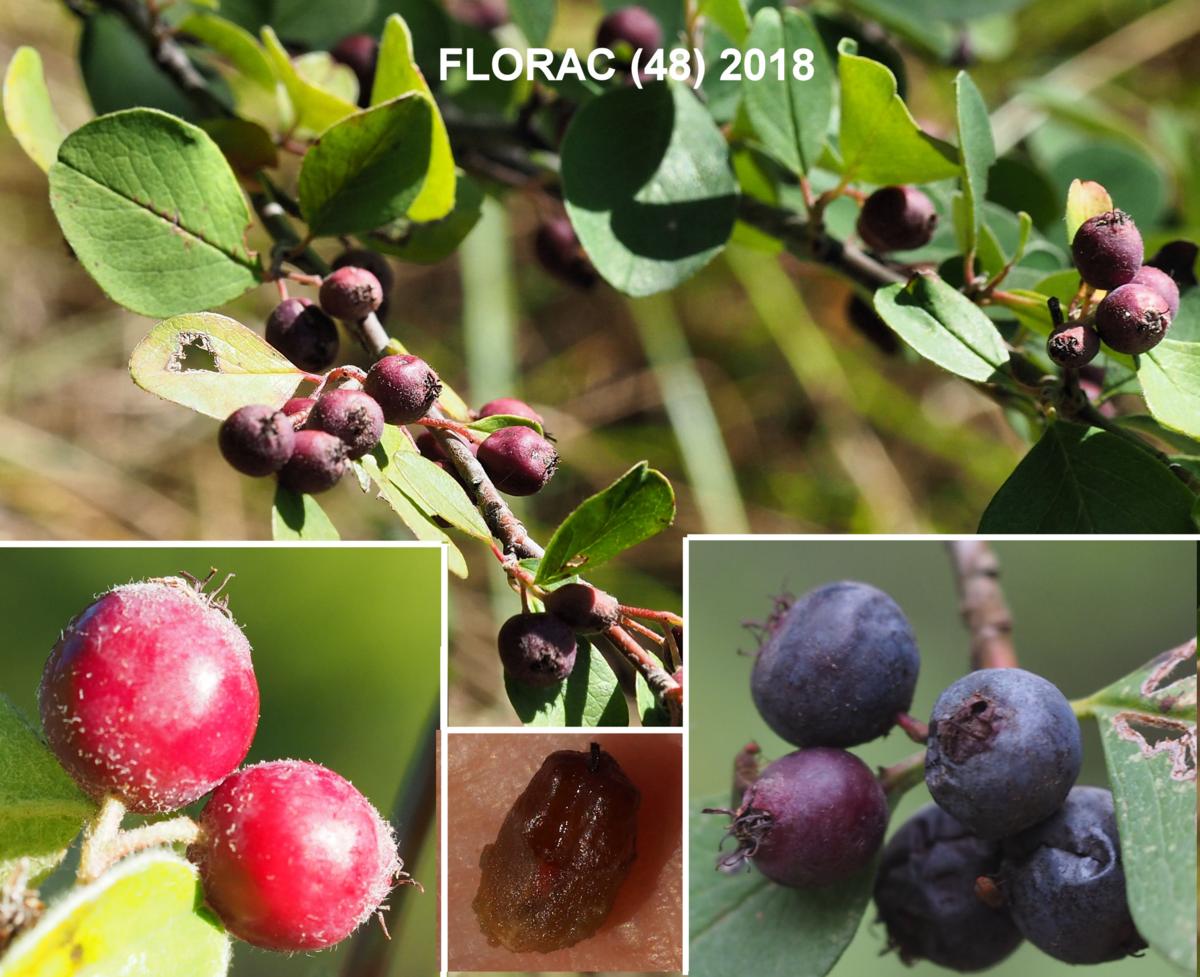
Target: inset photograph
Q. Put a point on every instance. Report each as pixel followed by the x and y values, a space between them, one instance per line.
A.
pixel 565 852
pixel 219 760
pixel 930 757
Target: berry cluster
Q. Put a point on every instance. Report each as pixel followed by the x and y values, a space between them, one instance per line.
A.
pixel 1011 849
pixel 1141 300
pixel 539 648
pixel 149 701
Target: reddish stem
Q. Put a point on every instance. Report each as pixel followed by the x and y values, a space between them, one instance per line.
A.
pixel 914 729
pixel 646 614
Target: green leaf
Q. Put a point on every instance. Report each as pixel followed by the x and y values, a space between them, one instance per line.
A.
pixel 299 517
pixel 1085 480
pixel 1170 378
pixel 437 492
pixel 144 918
pixel 495 422
pixel 28 111
pixel 153 212
pixel 237 45
pixel 590 696
pixel 735 919
pixel 246 145
pixel 41 809
pixel 1085 199
pixel 1148 729
pixel 879 140
pixel 944 326
pixel 791 117
pixel 315 109
pixel 212 364
pixel 638 505
pixel 976 149
pixel 367 169
pixel 397 74
pixel 648 186
pixel 315 25
pixel 535 18
pixel 319 69
pixel 730 16
pixel 431 242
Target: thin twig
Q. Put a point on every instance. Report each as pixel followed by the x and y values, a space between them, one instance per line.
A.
pixel 904 775
pixel 981 600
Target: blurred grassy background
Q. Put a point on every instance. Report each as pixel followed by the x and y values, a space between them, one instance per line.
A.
pixel 1084 613
pixel 346 653
pixel 748 386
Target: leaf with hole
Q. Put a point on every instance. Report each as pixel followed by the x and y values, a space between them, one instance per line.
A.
pixel 590 696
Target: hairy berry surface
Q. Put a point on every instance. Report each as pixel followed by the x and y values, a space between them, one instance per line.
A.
pixel 316 465
pixel 404 386
pixel 1133 318
pixel 353 416
pixel 256 440
pixel 304 334
pixel 584 608
pixel 537 649
pixel 1108 250
pixel 350 293
pixel 518 460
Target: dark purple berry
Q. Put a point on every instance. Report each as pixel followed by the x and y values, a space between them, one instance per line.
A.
pixel 926 896
pixel 1177 259
pixel 298 405
pixel 304 334
pixel 256 440
pixel 358 52
pixel 1108 250
pixel 1065 885
pixel 897 218
pixel 350 293
pixel 405 387
pixel 351 415
pixel 537 649
pixel 377 265
pixel 431 448
pixel 837 667
pixel 559 252
pixel 512 407
pixel 814 817
pixel 583 608
pixel 1132 318
pixel 1162 283
pixel 1004 750
pixel 632 27
pixel 316 465
pixel 1073 345
pixel 518 460
pixel 482 15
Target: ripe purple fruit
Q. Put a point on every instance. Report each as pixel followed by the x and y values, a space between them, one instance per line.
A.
pixel 257 440
pixel 1073 345
pixel 897 218
pixel 298 405
pixel 1004 749
pixel 1133 318
pixel 150 695
pixel 583 608
pixel 632 28
pixel 482 15
pixel 404 386
pixel 925 894
pixel 1108 250
pixel 304 334
pixel 350 293
pixel 537 649
pixel 814 817
pixel 358 52
pixel 1065 884
pixel 316 465
pixel 431 448
pixel 518 460
pixel 292 857
pixel 351 415
pixel 1162 283
pixel 837 667
pixel 510 406
pixel 559 252
pixel 377 265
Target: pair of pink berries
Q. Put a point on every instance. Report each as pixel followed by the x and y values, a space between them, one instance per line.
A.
pixel 150 697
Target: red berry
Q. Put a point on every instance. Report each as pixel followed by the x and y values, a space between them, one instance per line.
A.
pixel 482 15
pixel 537 649
pixel 1132 318
pixel 351 415
pixel 583 608
pixel 512 407
pixel 292 856
pixel 304 334
pixel 518 460
pixel 405 387
pixel 298 405
pixel 350 293
pixel 897 219
pixel 1162 283
pixel 1074 344
pixel 150 695
pixel 1108 250
pixel 257 440
pixel 316 465
pixel 377 265
pixel 634 27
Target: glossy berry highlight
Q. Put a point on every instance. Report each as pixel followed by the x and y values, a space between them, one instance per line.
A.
pixel 1133 318
pixel 837 667
pixel 350 293
pixel 150 695
pixel 812 818
pixel 304 334
pixel 1065 884
pixel 1108 250
pixel 537 649
pixel 1073 345
pixel 897 218
pixel 518 460
pixel 350 415
pixel 404 386
pixel 1004 750
pixel 292 857
pixel 316 465
pixel 256 440
pixel 583 608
